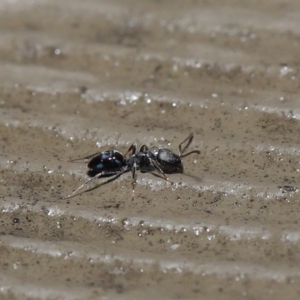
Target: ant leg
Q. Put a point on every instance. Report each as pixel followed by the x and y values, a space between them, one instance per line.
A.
pixel 118 173
pixel 144 148
pixel 86 157
pixel 160 170
pixel 189 139
pixel 132 148
pixel 83 185
pixel 133 183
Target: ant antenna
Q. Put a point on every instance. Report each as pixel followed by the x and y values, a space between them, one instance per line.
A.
pixel 189 140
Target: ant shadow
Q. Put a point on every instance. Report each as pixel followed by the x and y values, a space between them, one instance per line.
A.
pixel 196 178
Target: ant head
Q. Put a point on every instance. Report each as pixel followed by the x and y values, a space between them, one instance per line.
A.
pixel 179 169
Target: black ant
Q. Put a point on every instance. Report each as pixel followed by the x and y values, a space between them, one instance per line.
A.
pixel 113 162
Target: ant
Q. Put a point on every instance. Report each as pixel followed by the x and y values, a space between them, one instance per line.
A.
pixel 113 162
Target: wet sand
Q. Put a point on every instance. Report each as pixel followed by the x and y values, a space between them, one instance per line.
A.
pixel 79 77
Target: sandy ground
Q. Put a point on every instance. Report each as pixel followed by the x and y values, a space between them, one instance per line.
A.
pixel 79 77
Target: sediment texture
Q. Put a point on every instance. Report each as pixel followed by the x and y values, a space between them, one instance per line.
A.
pixel 79 77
